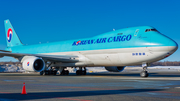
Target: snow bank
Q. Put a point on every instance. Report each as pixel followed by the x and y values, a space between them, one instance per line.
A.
pixel 11 68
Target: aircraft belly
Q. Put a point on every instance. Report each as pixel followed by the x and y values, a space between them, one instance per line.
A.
pixel 105 59
pixel 118 57
pixel 100 59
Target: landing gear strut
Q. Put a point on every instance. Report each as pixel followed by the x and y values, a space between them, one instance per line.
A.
pixel 49 70
pixel 81 71
pixel 63 71
pixel 144 73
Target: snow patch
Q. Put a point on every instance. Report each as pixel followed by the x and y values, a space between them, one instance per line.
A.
pixel 11 68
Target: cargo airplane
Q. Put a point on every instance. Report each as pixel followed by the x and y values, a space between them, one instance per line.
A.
pixel 113 50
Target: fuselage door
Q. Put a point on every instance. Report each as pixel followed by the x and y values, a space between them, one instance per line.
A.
pixel 136 32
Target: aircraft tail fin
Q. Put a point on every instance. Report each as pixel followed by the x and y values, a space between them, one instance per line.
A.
pixel 11 36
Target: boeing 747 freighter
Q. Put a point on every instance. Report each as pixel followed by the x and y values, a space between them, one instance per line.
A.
pixel 113 50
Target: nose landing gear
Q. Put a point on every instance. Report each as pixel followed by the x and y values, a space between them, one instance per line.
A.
pixel 144 73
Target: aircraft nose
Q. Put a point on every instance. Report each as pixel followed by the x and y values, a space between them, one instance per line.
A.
pixel 172 46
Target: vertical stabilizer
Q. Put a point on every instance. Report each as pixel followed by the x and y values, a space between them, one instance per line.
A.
pixel 11 36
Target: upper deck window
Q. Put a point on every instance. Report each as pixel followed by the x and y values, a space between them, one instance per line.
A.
pixel 147 30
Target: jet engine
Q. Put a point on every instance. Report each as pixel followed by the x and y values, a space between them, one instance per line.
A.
pixel 115 68
pixel 33 64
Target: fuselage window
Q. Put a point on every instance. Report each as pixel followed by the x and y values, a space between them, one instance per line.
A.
pixel 147 30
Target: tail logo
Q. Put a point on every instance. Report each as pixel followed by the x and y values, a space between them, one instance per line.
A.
pixel 9 34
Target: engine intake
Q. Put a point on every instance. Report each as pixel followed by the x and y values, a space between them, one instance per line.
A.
pixel 115 68
pixel 33 64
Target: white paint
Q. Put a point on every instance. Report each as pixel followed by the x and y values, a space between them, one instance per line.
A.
pixel 116 57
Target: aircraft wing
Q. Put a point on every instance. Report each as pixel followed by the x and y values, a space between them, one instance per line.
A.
pixel 54 58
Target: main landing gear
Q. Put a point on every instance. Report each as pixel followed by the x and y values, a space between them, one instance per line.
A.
pixel 62 71
pixel 48 72
pixel 144 73
pixel 51 71
pixel 81 71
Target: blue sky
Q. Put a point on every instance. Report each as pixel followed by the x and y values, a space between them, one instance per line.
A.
pixel 56 20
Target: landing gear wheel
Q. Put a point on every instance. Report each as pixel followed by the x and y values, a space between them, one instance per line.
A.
pixel 42 73
pixel 83 72
pixel 80 72
pixel 144 74
pixel 54 72
pixel 65 72
pixel 47 72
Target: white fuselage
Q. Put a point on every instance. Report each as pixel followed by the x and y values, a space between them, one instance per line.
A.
pixel 118 57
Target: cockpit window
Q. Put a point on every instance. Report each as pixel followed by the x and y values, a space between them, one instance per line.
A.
pixel 147 30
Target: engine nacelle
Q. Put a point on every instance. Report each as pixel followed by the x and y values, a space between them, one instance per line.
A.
pixel 115 68
pixel 33 64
